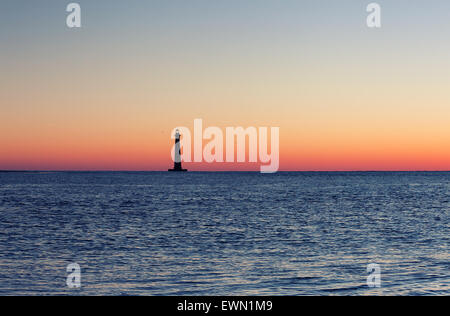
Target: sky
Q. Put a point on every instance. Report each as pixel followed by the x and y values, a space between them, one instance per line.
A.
pixel 106 96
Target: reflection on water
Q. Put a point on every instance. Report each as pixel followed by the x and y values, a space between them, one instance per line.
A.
pixel 224 233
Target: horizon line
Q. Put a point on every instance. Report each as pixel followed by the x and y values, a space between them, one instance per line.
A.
pixel 221 171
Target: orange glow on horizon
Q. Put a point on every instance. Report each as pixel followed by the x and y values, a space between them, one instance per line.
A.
pixel 296 154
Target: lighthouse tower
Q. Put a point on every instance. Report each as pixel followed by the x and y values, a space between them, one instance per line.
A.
pixel 177 162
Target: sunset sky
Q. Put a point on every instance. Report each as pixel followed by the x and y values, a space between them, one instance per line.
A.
pixel 106 96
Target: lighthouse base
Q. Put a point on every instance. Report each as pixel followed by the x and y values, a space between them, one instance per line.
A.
pixel 177 167
pixel 178 170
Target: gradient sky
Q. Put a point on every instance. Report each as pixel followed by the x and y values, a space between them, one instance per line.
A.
pixel 106 96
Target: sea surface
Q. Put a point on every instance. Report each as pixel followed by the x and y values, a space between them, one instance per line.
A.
pixel 159 233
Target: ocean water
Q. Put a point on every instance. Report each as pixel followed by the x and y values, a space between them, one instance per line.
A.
pixel 161 233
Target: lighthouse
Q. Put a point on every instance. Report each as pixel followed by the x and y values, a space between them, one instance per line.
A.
pixel 177 162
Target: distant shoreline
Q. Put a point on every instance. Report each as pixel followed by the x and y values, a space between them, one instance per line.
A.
pixel 17 171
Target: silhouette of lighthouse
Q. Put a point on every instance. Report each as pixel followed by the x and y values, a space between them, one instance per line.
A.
pixel 177 162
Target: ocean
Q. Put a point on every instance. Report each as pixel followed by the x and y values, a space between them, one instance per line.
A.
pixel 160 233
